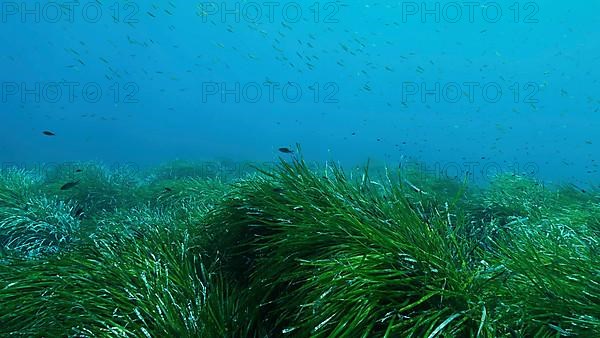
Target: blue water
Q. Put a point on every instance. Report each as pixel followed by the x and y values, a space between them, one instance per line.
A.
pixel 386 81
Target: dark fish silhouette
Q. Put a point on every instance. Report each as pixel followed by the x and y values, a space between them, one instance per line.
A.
pixel 78 170
pixel 69 185
pixel 48 133
pixel 286 150
pixel 79 212
pixel 168 190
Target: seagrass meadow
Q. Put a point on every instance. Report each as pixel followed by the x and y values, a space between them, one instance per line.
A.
pixel 294 251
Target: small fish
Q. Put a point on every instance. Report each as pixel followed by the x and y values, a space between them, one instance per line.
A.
pixel 69 185
pixel 168 189
pixel 48 133
pixel 286 150
pixel 78 170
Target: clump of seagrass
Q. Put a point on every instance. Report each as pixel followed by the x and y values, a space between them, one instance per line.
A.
pixel 32 224
pixel 149 281
pixel 516 196
pixel 39 225
pixel 552 272
pixel 329 256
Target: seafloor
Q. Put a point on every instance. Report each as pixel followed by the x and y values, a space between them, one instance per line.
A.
pixel 294 251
